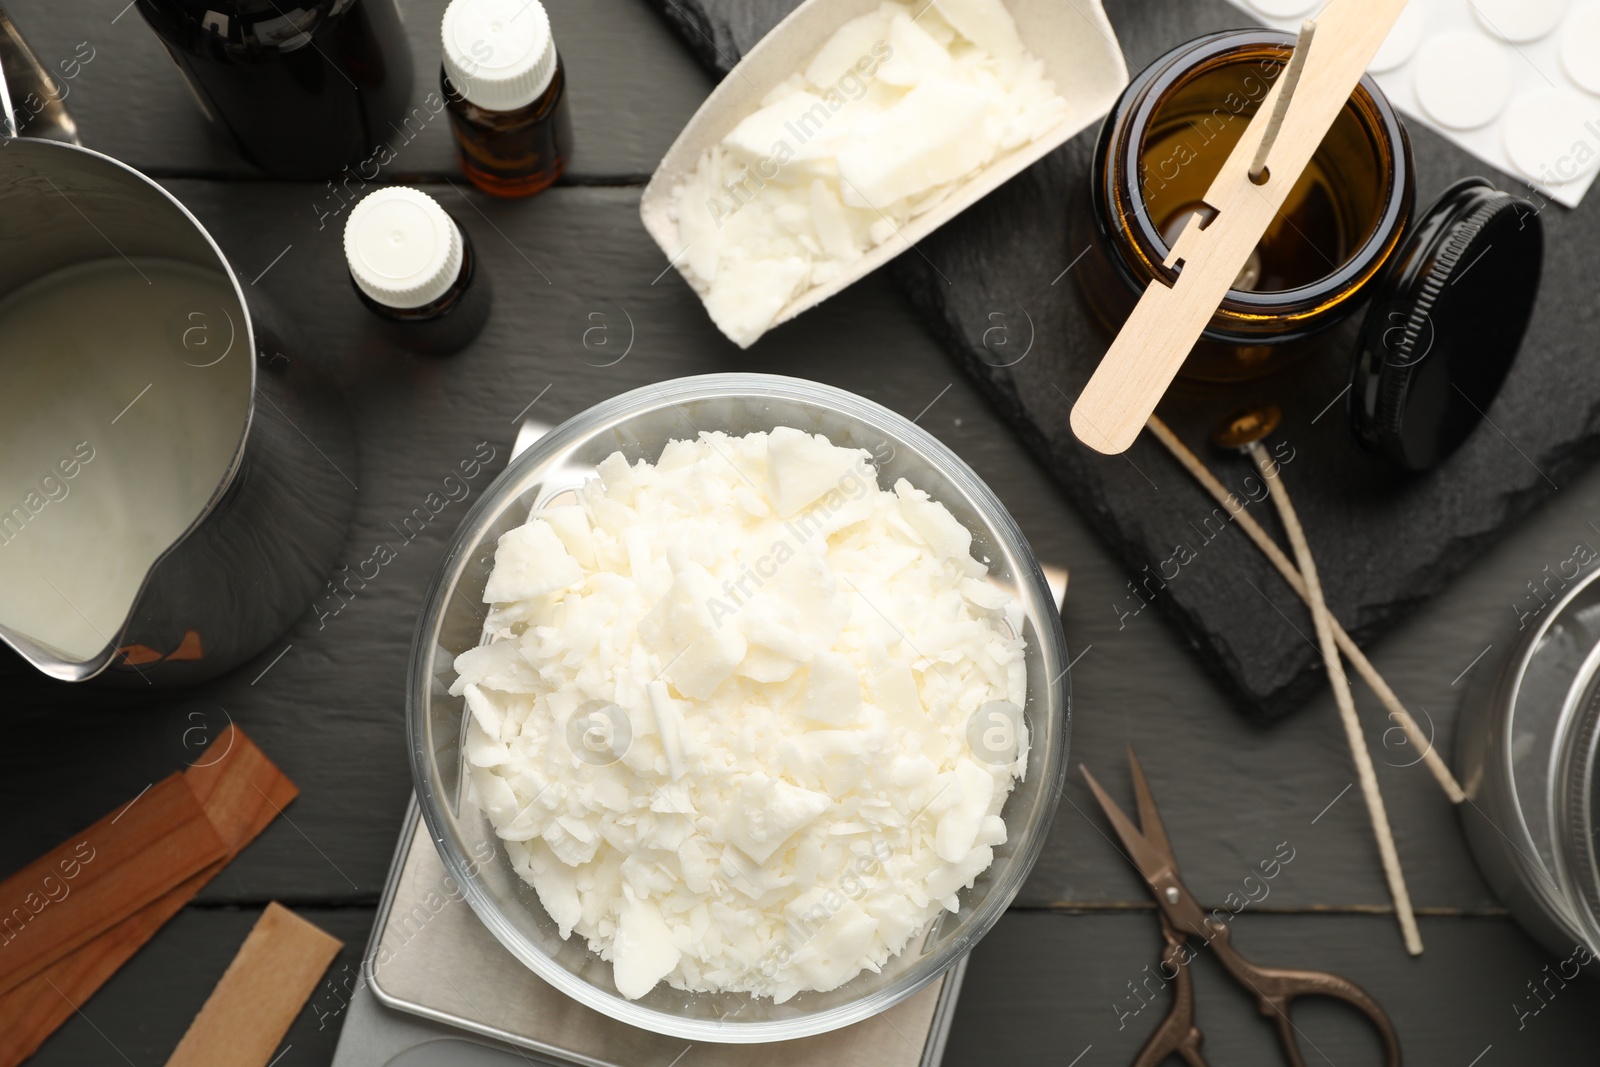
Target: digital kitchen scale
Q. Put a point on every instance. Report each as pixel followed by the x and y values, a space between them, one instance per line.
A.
pixel 449 995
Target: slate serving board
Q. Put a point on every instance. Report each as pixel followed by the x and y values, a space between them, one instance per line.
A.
pixel 996 287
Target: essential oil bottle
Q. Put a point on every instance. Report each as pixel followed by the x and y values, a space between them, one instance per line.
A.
pixel 505 90
pixel 414 268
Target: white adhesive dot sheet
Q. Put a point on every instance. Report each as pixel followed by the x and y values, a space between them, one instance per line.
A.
pixel 1402 42
pixel 1580 47
pixel 1545 132
pixel 1462 79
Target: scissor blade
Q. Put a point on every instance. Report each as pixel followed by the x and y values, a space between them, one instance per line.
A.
pixel 1141 853
pixel 1150 824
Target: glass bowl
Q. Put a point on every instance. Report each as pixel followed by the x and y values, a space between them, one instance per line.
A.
pixel 639 424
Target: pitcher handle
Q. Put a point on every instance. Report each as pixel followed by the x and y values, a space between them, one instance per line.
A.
pixel 29 96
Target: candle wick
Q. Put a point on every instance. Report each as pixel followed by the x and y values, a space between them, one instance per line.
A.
pixel 1291 78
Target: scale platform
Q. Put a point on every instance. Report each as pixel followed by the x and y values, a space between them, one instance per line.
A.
pixel 449 995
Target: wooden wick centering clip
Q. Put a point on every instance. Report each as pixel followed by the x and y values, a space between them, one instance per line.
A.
pixel 1241 202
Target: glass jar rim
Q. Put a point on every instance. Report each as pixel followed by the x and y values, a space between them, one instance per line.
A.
pixel 1122 201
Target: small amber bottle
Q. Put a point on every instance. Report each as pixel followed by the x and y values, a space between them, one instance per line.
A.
pixel 413 267
pixel 505 90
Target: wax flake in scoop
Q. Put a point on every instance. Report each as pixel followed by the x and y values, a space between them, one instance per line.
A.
pixel 723 722
pixel 892 113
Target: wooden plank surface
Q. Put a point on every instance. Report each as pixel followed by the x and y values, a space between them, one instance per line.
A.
pixel 330 710
pixel 130 102
pixel 1043 989
pixel 326 703
pixel 1040 990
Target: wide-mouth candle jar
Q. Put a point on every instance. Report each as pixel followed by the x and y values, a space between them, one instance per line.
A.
pixel 1346 237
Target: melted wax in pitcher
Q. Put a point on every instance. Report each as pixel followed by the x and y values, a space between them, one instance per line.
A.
pixel 124 390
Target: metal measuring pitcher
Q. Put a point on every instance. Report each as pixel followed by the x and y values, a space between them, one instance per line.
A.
pixel 175 481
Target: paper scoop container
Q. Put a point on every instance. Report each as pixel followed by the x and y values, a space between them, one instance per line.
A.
pixel 1072 38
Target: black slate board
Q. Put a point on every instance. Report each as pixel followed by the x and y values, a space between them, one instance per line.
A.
pixel 1385 542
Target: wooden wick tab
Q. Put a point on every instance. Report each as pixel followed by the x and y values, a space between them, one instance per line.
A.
pixel 1291 78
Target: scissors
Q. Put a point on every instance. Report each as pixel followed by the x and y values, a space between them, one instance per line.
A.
pixel 1182 917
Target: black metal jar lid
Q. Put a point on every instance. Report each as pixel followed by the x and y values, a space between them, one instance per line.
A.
pixel 1445 325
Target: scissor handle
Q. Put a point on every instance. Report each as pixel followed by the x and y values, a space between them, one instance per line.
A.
pixel 1177 1034
pixel 1277 988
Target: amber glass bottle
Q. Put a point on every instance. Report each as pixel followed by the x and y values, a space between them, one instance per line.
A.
pixel 505 90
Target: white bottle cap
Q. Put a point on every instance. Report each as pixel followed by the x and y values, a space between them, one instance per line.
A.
pixel 498 53
pixel 402 249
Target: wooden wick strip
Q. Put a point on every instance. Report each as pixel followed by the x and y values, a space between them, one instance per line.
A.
pixel 1358 659
pixel 1291 78
pixel 241 792
pixel 99 877
pixel 1347 704
pixel 263 989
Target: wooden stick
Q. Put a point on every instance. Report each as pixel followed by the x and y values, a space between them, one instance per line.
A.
pixel 1347 704
pixel 263 989
pixel 1291 78
pixel 99 877
pixel 241 792
pixel 1269 548
pixel 1215 245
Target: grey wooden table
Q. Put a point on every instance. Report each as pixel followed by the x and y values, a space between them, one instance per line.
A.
pixel 1061 979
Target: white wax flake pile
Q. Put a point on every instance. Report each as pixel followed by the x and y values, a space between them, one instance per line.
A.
pixel 744 720
pixel 895 110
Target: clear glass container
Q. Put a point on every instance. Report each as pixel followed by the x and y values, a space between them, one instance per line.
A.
pixel 639 424
pixel 1528 742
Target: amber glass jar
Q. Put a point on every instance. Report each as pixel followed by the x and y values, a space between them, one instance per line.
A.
pixel 1164 141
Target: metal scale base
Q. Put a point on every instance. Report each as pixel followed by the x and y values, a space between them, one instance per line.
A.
pixel 448 995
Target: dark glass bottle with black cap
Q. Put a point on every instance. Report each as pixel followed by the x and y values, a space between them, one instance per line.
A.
pixel 305 89
pixel 1437 339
